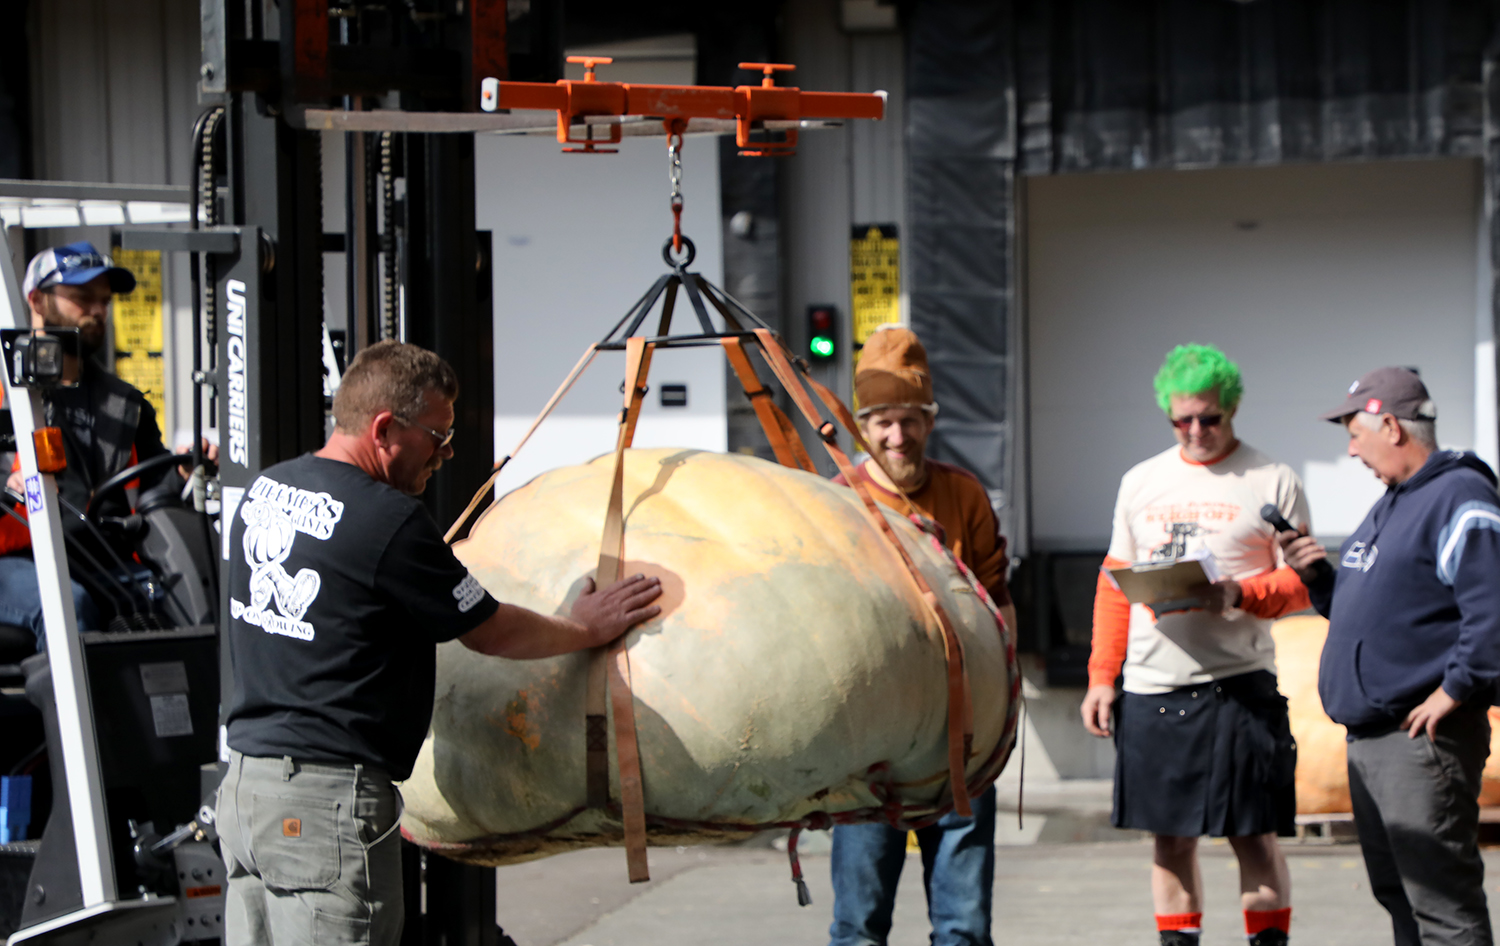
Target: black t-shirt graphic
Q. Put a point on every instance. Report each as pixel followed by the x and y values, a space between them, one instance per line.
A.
pixel 340 587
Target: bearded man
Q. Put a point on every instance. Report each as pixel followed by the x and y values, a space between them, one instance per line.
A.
pixel 897 414
pixel 107 426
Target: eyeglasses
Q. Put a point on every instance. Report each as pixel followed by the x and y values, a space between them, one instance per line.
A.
pixel 1204 420
pixel 442 439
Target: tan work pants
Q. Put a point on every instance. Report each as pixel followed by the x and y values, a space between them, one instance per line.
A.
pixel 311 853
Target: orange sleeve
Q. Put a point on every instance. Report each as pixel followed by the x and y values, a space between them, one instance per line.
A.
pixel 134 484
pixel 13 535
pixel 987 554
pixel 962 507
pixel 1111 628
pixel 1274 594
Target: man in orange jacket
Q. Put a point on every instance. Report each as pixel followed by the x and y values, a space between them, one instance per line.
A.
pixel 1202 742
pixel 897 413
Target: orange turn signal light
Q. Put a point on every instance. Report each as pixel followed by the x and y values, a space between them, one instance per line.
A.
pixel 50 457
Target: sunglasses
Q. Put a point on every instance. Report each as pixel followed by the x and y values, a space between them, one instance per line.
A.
pixel 1204 420
pixel 72 263
pixel 83 261
pixel 442 439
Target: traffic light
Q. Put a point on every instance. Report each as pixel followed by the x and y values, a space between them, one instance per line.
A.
pixel 822 332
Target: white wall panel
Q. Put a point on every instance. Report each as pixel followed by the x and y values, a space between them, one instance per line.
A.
pixel 114 89
pixel 577 240
pixel 1308 276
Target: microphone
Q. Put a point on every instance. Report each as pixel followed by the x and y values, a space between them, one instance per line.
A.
pixel 1322 568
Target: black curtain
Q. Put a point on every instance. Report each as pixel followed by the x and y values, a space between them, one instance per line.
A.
pixel 998 88
pixel 15 91
pixel 961 150
pixel 1109 85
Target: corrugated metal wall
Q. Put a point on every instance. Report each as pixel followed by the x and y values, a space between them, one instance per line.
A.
pixel 114 96
pixel 840 177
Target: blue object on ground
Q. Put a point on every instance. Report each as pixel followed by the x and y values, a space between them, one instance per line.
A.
pixel 15 807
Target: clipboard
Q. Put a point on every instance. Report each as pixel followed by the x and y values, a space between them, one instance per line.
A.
pixel 1166 586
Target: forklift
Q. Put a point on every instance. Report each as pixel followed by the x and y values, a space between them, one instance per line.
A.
pixel 131 715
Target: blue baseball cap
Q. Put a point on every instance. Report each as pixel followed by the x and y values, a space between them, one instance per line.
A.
pixel 74 265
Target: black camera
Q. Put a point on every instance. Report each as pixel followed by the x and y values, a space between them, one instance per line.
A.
pixel 34 357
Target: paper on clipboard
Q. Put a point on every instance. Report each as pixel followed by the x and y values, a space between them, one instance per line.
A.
pixel 1166 586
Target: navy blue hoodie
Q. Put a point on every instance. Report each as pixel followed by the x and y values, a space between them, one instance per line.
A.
pixel 1416 598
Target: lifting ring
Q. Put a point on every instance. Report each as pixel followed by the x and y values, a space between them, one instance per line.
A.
pixel 666 254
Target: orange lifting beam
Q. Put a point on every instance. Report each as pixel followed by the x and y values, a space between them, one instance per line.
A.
pixel 749 106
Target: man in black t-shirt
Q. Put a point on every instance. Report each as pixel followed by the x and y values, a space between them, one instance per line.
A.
pixel 340 586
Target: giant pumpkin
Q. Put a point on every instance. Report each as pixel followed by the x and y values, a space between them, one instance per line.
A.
pixel 1322 768
pixel 794 672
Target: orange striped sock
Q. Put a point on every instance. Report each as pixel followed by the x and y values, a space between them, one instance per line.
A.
pixel 1259 920
pixel 1184 922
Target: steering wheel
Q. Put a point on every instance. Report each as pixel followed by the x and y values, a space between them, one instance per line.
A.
pixel 119 480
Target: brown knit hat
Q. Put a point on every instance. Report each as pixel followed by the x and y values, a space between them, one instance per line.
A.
pixel 893 371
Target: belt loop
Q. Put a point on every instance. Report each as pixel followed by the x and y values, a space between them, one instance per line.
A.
pixel 354 792
pixel 287 768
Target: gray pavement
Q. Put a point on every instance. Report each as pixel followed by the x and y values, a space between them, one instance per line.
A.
pixel 1045 893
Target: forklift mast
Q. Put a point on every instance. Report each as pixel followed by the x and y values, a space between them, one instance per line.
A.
pixel 409 200
pixel 417 269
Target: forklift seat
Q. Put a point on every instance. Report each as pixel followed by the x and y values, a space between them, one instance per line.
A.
pixel 16 644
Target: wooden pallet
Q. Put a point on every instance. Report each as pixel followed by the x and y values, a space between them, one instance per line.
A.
pixel 1331 827
pixel 1338 826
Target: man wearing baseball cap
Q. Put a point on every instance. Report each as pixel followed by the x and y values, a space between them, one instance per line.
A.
pixel 107 426
pixel 1412 657
pixel 896 414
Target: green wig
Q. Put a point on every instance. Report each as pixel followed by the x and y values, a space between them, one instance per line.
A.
pixel 1193 369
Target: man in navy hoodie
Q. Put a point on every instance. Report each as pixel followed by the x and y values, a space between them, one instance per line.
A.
pixel 1412 658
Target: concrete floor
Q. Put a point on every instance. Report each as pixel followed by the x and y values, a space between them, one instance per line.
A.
pixel 1045 893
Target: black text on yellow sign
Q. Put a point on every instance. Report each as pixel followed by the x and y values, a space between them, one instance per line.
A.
pixel 874 279
pixel 138 328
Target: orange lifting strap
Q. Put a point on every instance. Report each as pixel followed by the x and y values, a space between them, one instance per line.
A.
pixel 609 667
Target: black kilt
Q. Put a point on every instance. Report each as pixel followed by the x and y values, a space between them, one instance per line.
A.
pixel 1216 758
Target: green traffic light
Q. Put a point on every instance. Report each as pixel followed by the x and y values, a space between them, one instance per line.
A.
pixel 821 346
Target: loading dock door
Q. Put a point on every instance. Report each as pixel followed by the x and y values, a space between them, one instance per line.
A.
pixel 1306 275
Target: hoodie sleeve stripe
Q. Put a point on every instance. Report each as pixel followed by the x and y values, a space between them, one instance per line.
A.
pixel 1471 515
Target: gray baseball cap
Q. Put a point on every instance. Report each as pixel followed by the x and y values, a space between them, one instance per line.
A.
pixel 1391 390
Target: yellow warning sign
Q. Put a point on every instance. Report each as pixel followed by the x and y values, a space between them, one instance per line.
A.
pixel 138 329
pixel 874 279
